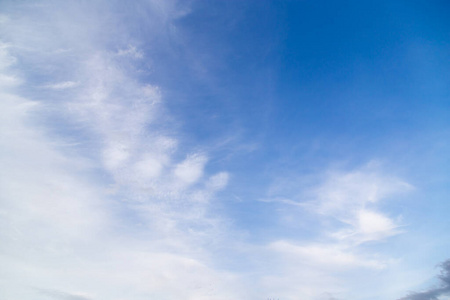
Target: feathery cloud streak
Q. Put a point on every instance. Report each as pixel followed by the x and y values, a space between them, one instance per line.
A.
pixel 65 234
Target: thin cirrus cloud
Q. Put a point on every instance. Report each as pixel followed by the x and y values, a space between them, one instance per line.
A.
pixel 349 201
pixel 61 228
pixel 61 85
pixel 105 195
pixel 353 198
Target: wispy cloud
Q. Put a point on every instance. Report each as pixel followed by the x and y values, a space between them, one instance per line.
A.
pixel 64 232
pixel 324 256
pixel 61 85
pixel 352 198
pixel 345 210
pixel 54 294
pixel 131 51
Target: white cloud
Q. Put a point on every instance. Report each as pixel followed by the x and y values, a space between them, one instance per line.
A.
pixel 9 80
pixel 131 51
pixel 63 235
pixel 344 192
pixel 61 85
pixel 371 222
pixel 367 225
pixel 190 170
pixel 6 59
pixel 353 198
pixel 323 256
pixel 7 77
pixel 218 181
pixel 150 166
pixel 346 210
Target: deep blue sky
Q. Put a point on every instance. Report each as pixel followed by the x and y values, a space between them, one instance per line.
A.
pixel 354 73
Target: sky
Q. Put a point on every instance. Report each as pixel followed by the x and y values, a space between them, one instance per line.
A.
pixel 224 150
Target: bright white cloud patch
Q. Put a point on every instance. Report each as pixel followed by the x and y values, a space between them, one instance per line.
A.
pixel 191 169
pixel 150 167
pixel 371 222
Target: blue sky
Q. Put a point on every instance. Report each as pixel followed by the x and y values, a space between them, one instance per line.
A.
pixel 224 150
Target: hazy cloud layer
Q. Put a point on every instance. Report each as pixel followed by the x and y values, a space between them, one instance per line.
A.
pixel 66 233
